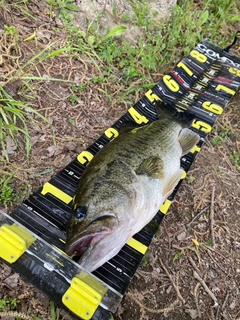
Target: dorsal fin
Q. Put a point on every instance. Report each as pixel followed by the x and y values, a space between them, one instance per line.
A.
pixel 165 110
pixel 127 127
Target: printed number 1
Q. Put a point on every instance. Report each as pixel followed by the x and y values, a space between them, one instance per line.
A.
pixel 224 88
pixel 185 68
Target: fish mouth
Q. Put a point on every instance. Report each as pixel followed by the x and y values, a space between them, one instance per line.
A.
pixel 77 246
pixel 79 241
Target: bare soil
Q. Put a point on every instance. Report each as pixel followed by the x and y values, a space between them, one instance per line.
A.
pixel 192 268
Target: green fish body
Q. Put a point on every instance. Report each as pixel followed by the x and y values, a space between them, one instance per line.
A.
pixel 124 186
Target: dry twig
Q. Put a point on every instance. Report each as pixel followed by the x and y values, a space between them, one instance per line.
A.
pixel 212 217
pixel 155 311
pixel 203 283
pixel 193 264
pixel 171 279
pixel 15 314
pixel 198 215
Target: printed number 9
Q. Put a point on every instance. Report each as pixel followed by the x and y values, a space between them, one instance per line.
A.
pixel 214 108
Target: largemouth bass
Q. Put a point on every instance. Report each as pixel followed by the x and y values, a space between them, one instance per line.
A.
pixel 124 185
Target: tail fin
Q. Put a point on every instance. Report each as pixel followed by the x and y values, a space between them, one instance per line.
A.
pixel 169 111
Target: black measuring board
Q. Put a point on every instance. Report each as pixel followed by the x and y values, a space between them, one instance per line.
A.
pixel 202 83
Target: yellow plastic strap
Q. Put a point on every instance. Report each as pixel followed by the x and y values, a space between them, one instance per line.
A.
pixel 138 246
pixel 81 299
pixel 12 245
pixel 165 206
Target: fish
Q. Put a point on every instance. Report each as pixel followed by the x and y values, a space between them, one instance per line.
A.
pixel 125 184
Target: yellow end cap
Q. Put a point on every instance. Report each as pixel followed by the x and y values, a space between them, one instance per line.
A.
pixel 12 246
pixel 165 206
pixel 81 299
pixel 184 174
pixel 195 149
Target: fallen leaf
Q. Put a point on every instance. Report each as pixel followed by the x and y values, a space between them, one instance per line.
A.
pixel 12 281
pixel 195 242
pixel 54 150
pixel 181 236
pixel 10 145
pixel 193 313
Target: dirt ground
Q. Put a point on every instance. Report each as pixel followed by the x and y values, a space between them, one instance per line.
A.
pixel 192 268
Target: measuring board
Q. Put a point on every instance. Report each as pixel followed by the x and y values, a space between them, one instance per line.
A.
pixel 32 237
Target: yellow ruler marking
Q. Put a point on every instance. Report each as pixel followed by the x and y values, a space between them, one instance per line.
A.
pixel 138 246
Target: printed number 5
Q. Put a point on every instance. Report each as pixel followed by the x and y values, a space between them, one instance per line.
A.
pixel 200 125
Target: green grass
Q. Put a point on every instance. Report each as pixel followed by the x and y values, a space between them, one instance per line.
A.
pixel 64 8
pixel 8 304
pixel 161 44
pixel 8 193
pixel 235 157
pixel 14 116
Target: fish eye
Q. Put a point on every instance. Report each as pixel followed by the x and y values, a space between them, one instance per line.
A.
pixel 80 213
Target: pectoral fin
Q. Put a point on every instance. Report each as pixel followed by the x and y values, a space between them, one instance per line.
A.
pixel 187 139
pixel 127 127
pixel 153 167
pixel 172 183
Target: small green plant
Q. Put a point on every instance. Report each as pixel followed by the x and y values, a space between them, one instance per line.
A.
pixel 178 255
pixel 145 259
pixel 215 141
pixel 73 98
pixel 191 179
pixel 6 191
pixel 64 6
pixel 235 157
pixel 7 304
pixel 208 244
pixel 70 120
pixel 3 303
pixel 224 134
pixel 11 30
pixel 8 195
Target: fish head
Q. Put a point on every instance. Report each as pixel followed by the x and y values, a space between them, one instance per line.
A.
pixel 88 225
